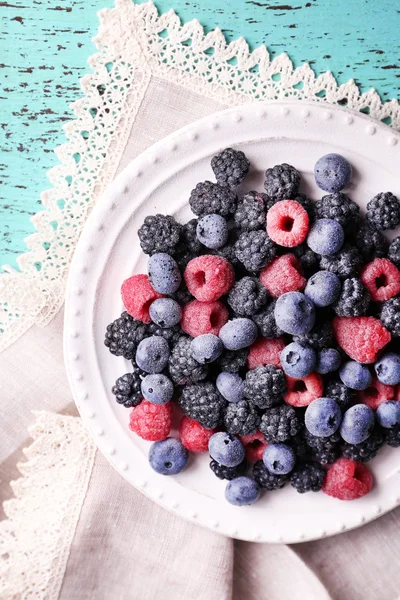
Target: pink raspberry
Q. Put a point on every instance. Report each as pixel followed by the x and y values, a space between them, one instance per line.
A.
pixel 193 436
pixel 360 337
pixel 347 480
pixel 301 392
pixel 382 279
pixel 151 422
pixel 287 223
pixel 254 445
pixel 137 296
pixel 265 352
pixel 209 277
pixel 203 317
pixel 376 393
pixel 284 274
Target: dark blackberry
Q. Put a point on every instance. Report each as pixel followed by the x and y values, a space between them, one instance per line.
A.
pixel 127 388
pixel 282 182
pixel 250 214
pixel 308 477
pixel 241 418
pixel 247 296
pixel 123 336
pixel 298 443
pixel 370 242
pixel 339 392
pixel 390 315
pixel 392 436
pixel 324 449
pixel 228 251
pixel 320 336
pixel 266 479
pixel 228 473
pixel 208 198
pixel 354 299
pixel 368 449
pixel 266 323
pixel 309 259
pixel 255 249
pixel 172 334
pixel 232 361
pixel 265 386
pixel 159 233
pixel 230 167
pixel 345 263
pixel 182 295
pixel 340 208
pixel 184 369
pixel 182 256
pixel 280 423
pixel 394 251
pixel 307 203
pixel 203 403
pixel 189 237
pixel 383 211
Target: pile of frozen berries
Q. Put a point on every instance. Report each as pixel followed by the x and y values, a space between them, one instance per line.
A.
pixel 271 324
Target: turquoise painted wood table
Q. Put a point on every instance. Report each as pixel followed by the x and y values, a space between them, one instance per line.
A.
pixel 44 46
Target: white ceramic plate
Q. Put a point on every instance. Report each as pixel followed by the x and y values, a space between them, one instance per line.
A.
pixel 160 180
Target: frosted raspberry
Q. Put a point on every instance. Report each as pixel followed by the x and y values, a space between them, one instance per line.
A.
pixel 254 445
pixel 151 422
pixel 287 223
pixel 301 392
pixel 360 337
pixel 376 393
pixel 203 317
pixel 193 436
pixel 265 352
pixel 209 277
pixel 137 295
pixel 283 275
pixel 382 279
pixel 347 480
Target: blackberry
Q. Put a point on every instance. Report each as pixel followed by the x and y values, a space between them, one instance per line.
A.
pixel 282 182
pixel 320 336
pixel 247 296
pixel 183 369
pixel 182 256
pixel 392 436
pixel 127 388
pixel 228 473
pixel 264 386
pixel 280 423
pixel 159 233
pixel 255 249
pixel 230 167
pixel 232 361
pixel 123 336
pixel 394 251
pixel 307 204
pixel 345 263
pixel 171 334
pixel 370 242
pixel 299 445
pixel 309 259
pixel 383 211
pixel 308 477
pixel 354 299
pixel 250 214
pixel 203 403
pixel 368 449
pixel 266 479
pixel 339 392
pixel 324 449
pixel 390 315
pixel 266 323
pixel 228 251
pixel 241 418
pixel 208 198
pixel 340 208
pixel 189 237
pixel 182 295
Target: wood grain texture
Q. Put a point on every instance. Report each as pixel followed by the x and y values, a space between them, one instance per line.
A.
pixel 44 45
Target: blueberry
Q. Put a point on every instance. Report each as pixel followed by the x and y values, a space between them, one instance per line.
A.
pixel 388 414
pixel 323 417
pixel 294 313
pixel 326 237
pixel 387 368
pixel 230 386
pixel 165 312
pixel 238 333
pixel 357 424
pixel 323 288
pixel 242 491
pixel 212 231
pixel 152 354
pixel 206 348
pixel 279 459
pixel 164 273
pixel 332 173
pixel 226 449
pixel 328 360
pixel 355 375
pixel 157 389
pixel 168 457
pixel 298 360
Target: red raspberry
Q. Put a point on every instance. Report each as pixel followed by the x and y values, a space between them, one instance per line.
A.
pixel 382 279
pixel 151 422
pixel 287 223
pixel 376 393
pixel 203 317
pixel 397 393
pixel 193 436
pixel 347 480
pixel 254 445
pixel 209 277
pixel 301 392
pixel 137 296
pixel 265 352
pixel 360 337
pixel 283 275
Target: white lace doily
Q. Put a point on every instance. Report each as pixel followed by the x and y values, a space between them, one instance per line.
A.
pixel 135 43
